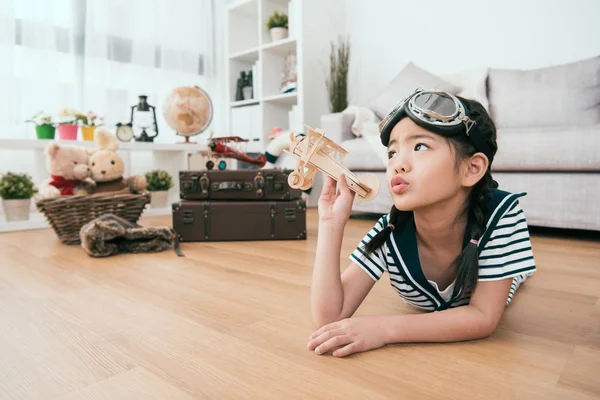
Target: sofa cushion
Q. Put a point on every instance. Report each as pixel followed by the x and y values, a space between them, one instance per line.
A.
pixel 561 148
pixel 472 83
pixel 410 78
pixel 362 155
pixel 567 94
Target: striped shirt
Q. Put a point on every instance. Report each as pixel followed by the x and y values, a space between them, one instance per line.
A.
pixel 504 252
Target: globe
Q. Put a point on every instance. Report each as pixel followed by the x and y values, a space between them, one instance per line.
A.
pixel 188 111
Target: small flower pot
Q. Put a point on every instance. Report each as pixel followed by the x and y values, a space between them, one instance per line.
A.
pixel 16 210
pixel 247 91
pixel 67 131
pixel 45 131
pixel 278 34
pixel 159 199
pixel 87 132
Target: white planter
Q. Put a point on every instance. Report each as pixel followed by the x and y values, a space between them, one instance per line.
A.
pixel 278 34
pixel 16 210
pixel 247 91
pixel 159 199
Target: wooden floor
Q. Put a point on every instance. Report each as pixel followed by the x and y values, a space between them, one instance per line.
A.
pixel 231 321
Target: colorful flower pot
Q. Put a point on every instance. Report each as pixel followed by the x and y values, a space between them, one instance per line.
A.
pixel 45 131
pixel 67 131
pixel 87 132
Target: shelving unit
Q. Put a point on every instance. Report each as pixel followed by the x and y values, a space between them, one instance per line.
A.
pixel 248 42
pixel 170 157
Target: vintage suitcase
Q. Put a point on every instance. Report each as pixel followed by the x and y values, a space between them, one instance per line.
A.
pixel 265 184
pixel 198 221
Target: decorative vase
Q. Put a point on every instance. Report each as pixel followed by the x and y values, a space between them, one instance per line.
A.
pixel 278 33
pixel 247 92
pixel 87 132
pixel 45 131
pixel 159 199
pixel 67 131
pixel 16 210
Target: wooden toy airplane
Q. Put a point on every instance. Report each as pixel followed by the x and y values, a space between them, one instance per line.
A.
pixel 315 151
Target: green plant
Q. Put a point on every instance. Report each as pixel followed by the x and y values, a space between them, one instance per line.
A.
pixel 41 118
pixel 337 81
pixel 16 186
pixel 158 180
pixel 277 20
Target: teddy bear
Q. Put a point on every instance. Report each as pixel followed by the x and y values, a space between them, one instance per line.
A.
pixel 107 166
pixel 69 172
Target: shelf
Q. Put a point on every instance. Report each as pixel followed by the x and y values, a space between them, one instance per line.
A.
pixel 248 55
pixel 29 144
pixel 244 7
pixel 36 221
pixel 281 47
pixel 243 103
pixel 286 98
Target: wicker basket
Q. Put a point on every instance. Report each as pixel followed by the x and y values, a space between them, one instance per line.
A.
pixel 67 215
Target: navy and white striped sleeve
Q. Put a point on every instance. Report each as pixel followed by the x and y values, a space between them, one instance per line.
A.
pixel 508 252
pixel 374 263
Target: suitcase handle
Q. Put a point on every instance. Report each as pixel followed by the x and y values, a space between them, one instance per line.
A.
pixel 235 186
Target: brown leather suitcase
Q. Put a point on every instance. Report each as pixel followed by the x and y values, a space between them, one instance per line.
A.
pixel 199 221
pixel 265 184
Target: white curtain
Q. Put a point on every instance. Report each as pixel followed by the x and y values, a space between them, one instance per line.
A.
pixel 99 55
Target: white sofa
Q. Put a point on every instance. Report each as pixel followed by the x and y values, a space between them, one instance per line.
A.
pixel 548 123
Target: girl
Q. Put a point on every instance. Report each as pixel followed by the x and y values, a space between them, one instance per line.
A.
pixel 452 242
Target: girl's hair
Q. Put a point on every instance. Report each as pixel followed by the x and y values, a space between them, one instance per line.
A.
pixel 467 262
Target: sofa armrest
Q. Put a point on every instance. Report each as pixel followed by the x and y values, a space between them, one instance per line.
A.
pixel 338 126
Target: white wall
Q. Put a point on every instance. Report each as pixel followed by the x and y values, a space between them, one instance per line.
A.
pixel 450 36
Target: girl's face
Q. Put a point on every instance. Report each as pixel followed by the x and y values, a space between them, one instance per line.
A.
pixel 421 167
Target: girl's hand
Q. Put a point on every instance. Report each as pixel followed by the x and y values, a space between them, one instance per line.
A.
pixel 335 207
pixel 348 336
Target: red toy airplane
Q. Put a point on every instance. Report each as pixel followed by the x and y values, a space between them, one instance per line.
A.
pixel 218 148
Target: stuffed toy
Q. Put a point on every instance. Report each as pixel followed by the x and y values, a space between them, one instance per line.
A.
pixel 107 166
pixel 69 172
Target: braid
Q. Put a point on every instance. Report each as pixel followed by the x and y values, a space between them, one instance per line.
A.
pixel 467 262
pixel 398 219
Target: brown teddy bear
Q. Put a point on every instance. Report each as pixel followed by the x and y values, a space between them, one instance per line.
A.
pixel 69 172
pixel 107 166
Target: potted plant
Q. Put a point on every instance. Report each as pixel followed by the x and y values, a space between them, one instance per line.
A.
pixel 44 127
pixel 158 184
pixel 89 122
pixel 16 191
pixel 67 126
pixel 337 81
pixel 278 26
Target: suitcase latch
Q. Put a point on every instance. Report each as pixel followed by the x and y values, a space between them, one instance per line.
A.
pixel 204 185
pixel 290 214
pixel 259 183
pixel 188 217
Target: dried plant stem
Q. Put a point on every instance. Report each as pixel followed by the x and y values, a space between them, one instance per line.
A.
pixel 337 81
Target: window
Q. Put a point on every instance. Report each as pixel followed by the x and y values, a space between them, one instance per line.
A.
pixel 99 55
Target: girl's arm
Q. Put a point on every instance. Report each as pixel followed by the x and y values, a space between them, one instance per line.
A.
pixel 334 297
pixel 474 321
